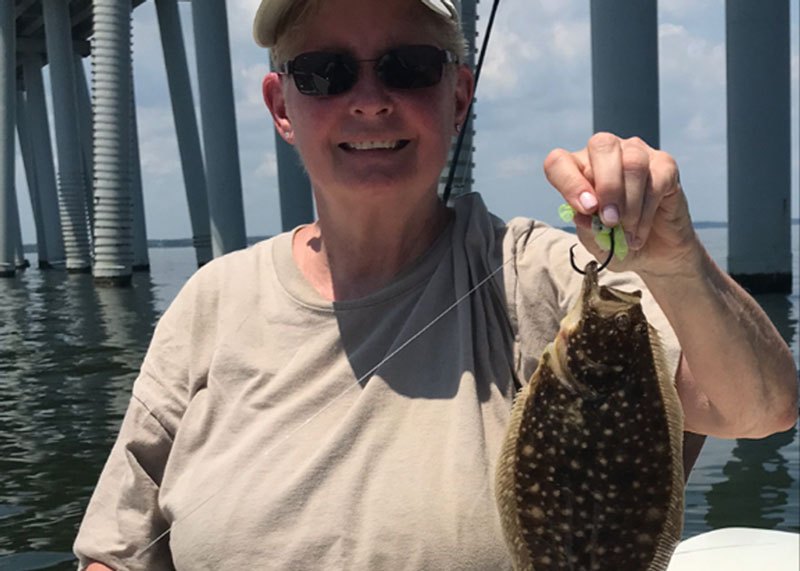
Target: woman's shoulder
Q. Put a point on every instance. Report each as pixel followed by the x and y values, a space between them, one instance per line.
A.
pixel 520 235
pixel 234 278
pixel 243 260
pixel 238 267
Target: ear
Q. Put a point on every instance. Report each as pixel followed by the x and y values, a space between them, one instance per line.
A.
pixel 272 90
pixel 465 89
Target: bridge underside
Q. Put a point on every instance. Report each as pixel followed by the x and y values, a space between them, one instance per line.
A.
pixel 29 17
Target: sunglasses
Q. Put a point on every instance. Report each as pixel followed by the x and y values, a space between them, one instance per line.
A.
pixel 332 73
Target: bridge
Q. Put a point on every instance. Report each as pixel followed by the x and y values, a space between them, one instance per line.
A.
pixel 89 215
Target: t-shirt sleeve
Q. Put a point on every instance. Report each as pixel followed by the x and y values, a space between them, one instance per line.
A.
pixel 123 516
pixel 542 286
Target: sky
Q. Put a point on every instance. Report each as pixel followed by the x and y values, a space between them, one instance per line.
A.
pixel 534 95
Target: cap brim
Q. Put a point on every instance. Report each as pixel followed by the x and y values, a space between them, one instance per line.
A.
pixel 442 7
pixel 270 12
pixel 266 21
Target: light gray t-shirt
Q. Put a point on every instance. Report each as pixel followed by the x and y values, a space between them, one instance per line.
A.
pixel 249 433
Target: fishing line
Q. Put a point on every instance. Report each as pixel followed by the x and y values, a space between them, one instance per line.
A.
pixel 358 382
pixel 365 376
pixel 460 142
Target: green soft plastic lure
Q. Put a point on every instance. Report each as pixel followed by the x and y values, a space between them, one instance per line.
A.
pixel 602 233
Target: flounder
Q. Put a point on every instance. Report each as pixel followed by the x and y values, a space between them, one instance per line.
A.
pixel 590 476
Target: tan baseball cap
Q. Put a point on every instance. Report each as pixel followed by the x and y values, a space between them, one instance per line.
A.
pixel 270 12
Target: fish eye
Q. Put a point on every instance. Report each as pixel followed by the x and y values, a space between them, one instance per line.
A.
pixel 622 321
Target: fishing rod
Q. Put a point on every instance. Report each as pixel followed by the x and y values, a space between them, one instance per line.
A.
pixel 460 142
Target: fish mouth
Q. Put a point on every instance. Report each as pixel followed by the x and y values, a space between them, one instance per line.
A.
pixel 390 145
pixel 560 364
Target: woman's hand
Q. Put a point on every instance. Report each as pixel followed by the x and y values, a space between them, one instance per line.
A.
pixel 721 329
pixel 626 181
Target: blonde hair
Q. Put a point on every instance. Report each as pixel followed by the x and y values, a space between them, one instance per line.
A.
pixel 289 31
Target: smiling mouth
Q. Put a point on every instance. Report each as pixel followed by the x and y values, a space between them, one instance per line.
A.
pixel 375 145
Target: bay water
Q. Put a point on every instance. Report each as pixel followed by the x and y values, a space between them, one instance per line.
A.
pixel 70 351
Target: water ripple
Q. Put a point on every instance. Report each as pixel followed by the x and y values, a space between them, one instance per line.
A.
pixel 69 353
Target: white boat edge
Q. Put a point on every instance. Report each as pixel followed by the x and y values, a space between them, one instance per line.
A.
pixel 738 549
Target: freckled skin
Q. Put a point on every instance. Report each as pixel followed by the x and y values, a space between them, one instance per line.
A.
pixel 590 475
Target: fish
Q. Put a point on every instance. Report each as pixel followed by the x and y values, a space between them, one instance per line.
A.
pixel 590 474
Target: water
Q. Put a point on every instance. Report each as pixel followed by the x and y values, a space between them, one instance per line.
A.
pixel 69 352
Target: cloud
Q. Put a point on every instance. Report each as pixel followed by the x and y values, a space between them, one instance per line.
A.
pixel 571 40
pixel 250 103
pixel 689 59
pixel 158 142
pixel 507 58
pixel 268 167
pixel 532 41
pixel 699 128
pixel 518 165
pixel 686 8
pixel 692 64
pixel 240 18
pixel 535 95
pixel 24 206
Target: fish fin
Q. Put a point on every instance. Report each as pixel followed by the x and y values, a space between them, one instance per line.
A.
pixel 673 525
pixel 505 472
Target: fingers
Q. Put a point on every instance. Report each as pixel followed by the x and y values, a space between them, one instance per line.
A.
pixel 639 204
pixel 608 177
pixel 566 172
pixel 664 186
pixel 622 180
pixel 605 156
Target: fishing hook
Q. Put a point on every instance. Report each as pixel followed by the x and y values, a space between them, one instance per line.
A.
pixel 605 264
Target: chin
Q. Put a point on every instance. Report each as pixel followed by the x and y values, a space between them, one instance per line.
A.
pixel 383 183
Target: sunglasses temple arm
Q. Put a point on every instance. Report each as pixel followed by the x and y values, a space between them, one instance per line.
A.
pixel 460 142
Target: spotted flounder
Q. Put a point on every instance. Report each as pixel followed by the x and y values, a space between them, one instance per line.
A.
pixel 590 476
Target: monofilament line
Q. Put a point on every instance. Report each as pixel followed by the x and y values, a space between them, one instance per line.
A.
pixel 360 380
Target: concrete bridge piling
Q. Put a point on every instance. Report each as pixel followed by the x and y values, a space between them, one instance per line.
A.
pixel 90 217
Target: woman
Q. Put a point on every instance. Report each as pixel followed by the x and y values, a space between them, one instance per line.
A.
pixel 300 407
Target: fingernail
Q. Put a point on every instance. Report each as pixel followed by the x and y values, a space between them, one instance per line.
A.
pixel 610 214
pixel 587 200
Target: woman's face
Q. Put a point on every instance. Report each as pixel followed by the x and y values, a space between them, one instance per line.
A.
pixel 327 131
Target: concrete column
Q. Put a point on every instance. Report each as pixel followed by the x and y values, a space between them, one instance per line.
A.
pixel 8 82
pixel 29 162
pixel 87 137
pixel 625 68
pixel 215 81
pixel 180 91
pixel 65 110
pixel 20 262
pixel 36 120
pixel 759 145
pixel 294 187
pixel 111 69
pixel 462 182
pixel 141 257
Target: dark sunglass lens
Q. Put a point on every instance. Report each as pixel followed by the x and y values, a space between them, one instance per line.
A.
pixel 411 67
pixel 322 73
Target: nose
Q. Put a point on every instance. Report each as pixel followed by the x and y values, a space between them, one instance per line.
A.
pixel 369 96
